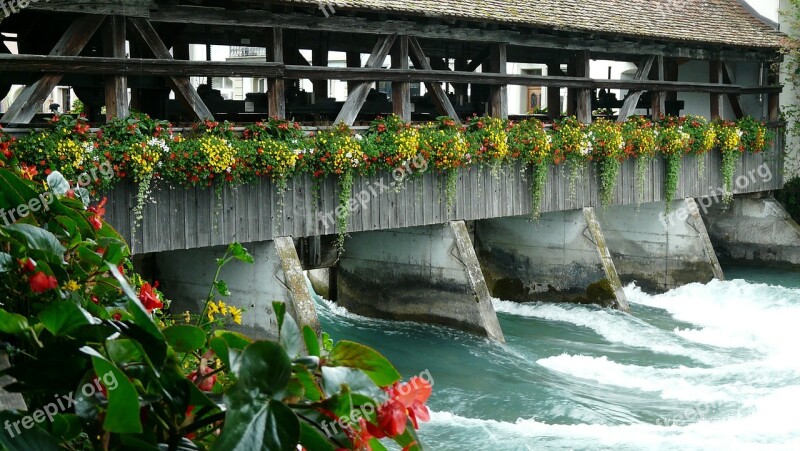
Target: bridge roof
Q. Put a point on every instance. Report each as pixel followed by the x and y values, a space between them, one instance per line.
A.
pixel 718 22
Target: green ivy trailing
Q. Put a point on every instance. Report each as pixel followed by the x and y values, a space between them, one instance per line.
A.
pixel 343 210
pixel 673 143
pixel 730 144
pixel 572 145
pixel 608 149
pixel 530 142
pixel 639 134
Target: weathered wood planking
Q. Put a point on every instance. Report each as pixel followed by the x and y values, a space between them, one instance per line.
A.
pixel 190 218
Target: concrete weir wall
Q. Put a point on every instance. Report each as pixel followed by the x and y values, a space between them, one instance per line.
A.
pixel 560 257
pixel 660 249
pixel 428 274
pixel 276 275
pixel 753 230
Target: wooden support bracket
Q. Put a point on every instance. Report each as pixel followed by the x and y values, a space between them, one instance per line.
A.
pixel 727 78
pixel 184 90
pixel 357 97
pixel 441 101
pixel 632 99
pixel 71 43
pixel 401 91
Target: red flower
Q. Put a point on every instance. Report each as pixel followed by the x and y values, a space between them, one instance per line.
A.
pixel 41 282
pixel 204 383
pixel 29 172
pixel 117 316
pixel 96 220
pixel 392 418
pixel 149 299
pixel 28 265
pixel 404 399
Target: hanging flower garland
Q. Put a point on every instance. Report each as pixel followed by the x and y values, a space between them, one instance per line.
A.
pixel 444 146
pixel 639 134
pixel 702 138
pixel 608 150
pixel 530 142
pixel 673 142
pixel 571 145
pixel 756 137
pixel 488 141
pixel 729 139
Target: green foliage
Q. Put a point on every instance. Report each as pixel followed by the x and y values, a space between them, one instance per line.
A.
pixel 608 150
pixel 75 316
pixel 789 196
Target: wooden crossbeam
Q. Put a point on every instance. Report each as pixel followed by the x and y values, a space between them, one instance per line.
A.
pixel 715 76
pixel 116 85
pixel 479 59
pixel 184 90
pixel 440 99
pixel 276 86
pixel 357 97
pixel 71 43
pixel 632 99
pixel 554 92
pixel 727 78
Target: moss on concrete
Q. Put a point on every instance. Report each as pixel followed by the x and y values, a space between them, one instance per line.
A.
pixel 602 293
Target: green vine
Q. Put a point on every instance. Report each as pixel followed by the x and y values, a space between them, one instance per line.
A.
pixel 343 213
pixel 142 196
pixel 642 164
pixel 729 160
pixel 608 148
pixel 537 188
pixel 609 170
pixel 672 175
pixel 451 187
pixel 729 139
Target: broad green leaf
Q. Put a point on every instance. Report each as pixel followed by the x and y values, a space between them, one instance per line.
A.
pixel 122 351
pixel 259 426
pixel 333 378
pixel 280 312
pixel 290 337
pixel 69 225
pixel 12 323
pixel 312 438
pixel 61 318
pixel 122 413
pixel 311 390
pixel 408 439
pixel 222 288
pixel 57 183
pixel 368 360
pixel 311 340
pixel 240 253
pixel 265 367
pixel 229 346
pixel 185 338
pixel 66 427
pixel 20 439
pixel 7 262
pixel 36 238
pixel 15 190
pixel 376 445
pixel 89 256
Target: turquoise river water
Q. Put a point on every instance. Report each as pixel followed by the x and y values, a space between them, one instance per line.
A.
pixel 711 367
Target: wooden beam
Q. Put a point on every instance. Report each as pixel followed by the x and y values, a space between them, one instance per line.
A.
pixel 29 102
pixel 498 94
pixel 183 88
pixel 715 76
pixel 440 99
pixel 727 78
pixel 128 8
pixel 41 64
pixel 773 101
pixel 116 85
pixel 523 36
pixel 554 92
pixel 276 86
pixel 356 98
pixel 478 59
pixel 657 98
pixel 401 90
pixel 353 61
pixel 632 99
pixel 583 109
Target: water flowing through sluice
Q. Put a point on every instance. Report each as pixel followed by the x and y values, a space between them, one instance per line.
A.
pixel 711 366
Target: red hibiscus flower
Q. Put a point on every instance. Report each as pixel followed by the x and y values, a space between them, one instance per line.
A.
pixel 405 400
pixel 149 298
pixel 41 282
pixel 96 220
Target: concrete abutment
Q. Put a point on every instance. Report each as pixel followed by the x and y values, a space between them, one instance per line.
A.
pixel 276 275
pixel 428 274
pixel 560 257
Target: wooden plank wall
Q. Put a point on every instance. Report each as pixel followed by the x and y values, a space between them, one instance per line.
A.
pixel 185 219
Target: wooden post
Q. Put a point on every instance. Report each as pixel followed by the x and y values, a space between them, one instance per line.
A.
pixel 353 60
pixel 182 87
pixel 319 57
pixel 440 99
pixel 71 43
pixel 461 90
pixel 116 85
pixel 657 97
pixel 583 108
pixel 554 92
pixel 401 91
pixel 715 76
pixel 357 97
pixel 276 86
pixel 498 97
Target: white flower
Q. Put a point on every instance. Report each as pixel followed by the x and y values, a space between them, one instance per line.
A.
pixel 359 137
pixel 349 155
pixel 160 143
pixel 88 147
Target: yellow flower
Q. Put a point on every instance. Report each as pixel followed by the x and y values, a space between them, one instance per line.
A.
pixel 236 314
pixel 187 317
pixel 223 309
pixel 72 286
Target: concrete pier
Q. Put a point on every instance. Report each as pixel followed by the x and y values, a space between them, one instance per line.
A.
pixel 561 257
pixel 276 275
pixel 660 249
pixel 428 274
pixel 754 230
